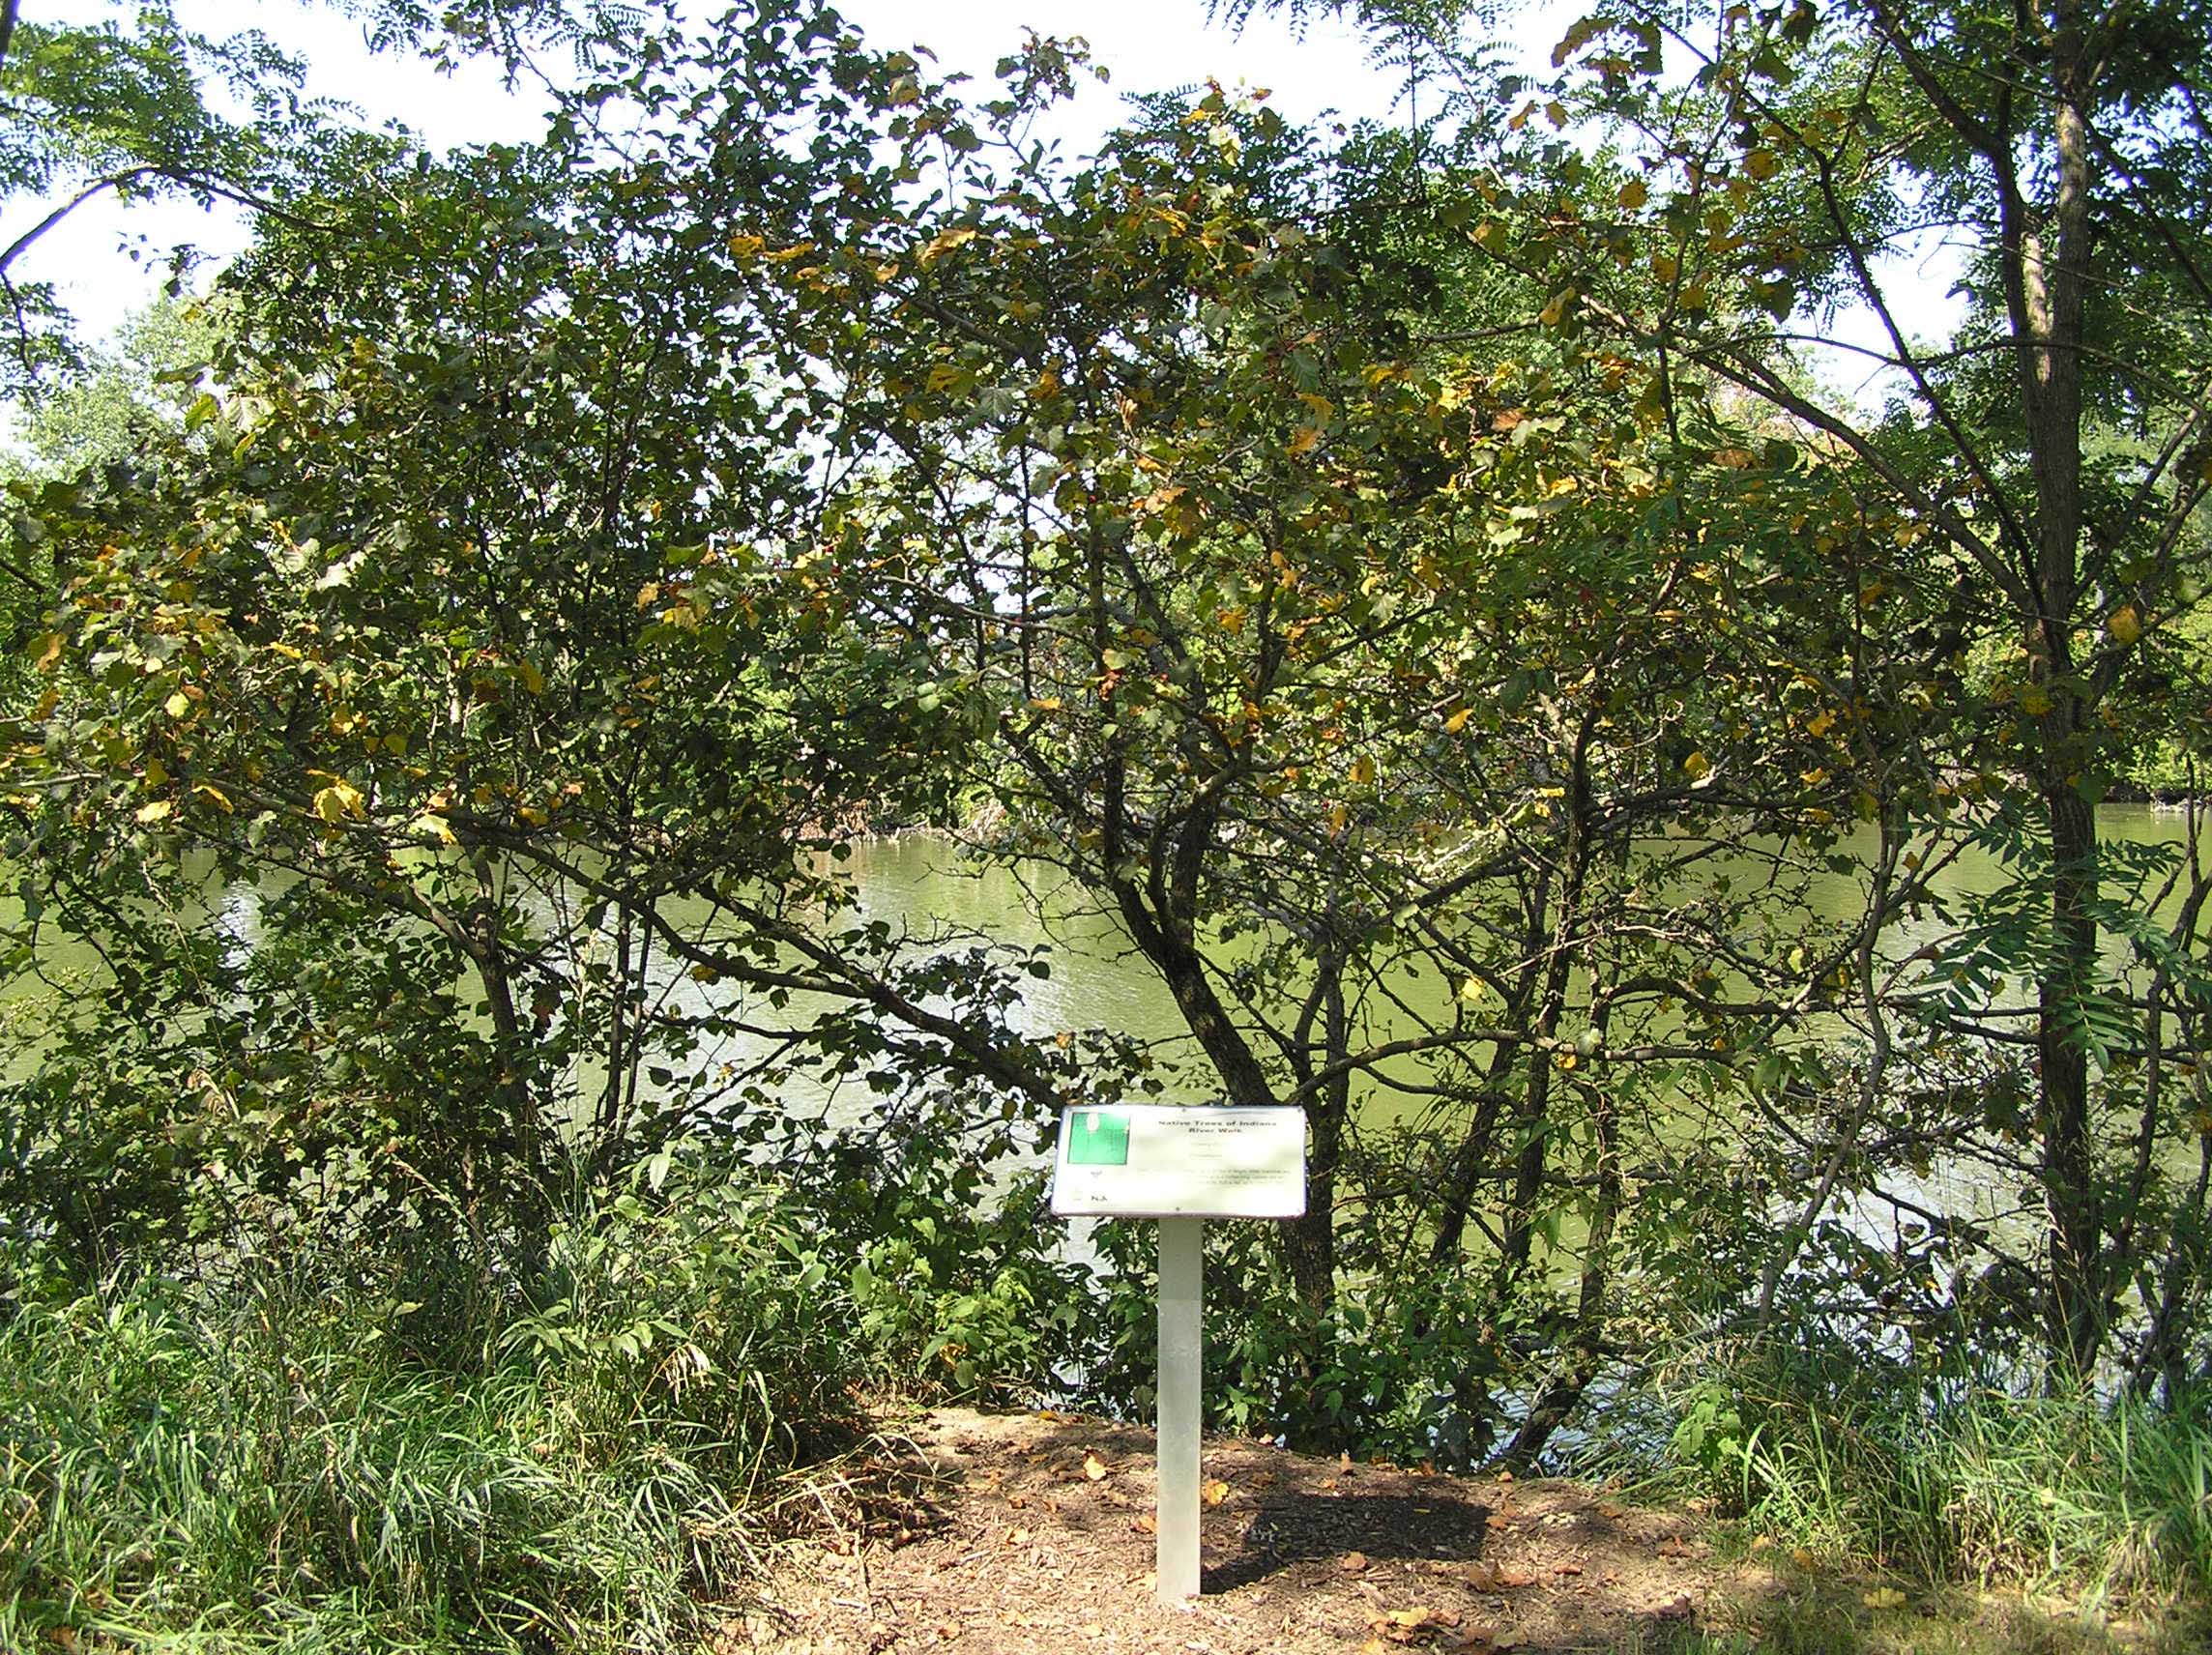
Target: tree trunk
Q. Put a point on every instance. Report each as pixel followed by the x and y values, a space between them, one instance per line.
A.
pixel 2076 1315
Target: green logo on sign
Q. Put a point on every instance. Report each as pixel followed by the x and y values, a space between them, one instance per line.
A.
pixel 1101 1139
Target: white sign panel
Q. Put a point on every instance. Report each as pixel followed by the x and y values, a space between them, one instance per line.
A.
pixel 1157 1161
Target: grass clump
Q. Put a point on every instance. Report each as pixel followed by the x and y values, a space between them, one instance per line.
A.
pixel 291 1460
pixel 2049 1488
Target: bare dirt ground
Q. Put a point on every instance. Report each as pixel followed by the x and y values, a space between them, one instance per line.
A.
pixel 1031 1534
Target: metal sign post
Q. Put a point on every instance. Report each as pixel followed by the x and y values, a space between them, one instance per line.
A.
pixel 1183 1292
pixel 1180 1166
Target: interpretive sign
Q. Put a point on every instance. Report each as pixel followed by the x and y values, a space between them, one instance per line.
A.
pixel 1158 1161
pixel 1183 1167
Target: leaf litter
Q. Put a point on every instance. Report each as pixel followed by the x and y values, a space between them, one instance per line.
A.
pixel 1032 1533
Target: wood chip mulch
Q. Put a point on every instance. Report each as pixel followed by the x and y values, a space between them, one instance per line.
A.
pixel 1031 1534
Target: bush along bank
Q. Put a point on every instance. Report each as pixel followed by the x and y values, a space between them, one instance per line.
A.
pixel 295 1454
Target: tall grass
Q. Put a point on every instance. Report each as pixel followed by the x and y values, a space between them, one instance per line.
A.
pixel 2049 1487
pixel 266 1467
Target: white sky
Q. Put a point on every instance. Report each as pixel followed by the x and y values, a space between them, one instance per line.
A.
pixel 1146 44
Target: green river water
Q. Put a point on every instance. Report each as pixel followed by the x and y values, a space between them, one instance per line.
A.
pixel 922 882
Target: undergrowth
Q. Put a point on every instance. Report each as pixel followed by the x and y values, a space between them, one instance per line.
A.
pixel 272 1462
pixel 2046 1486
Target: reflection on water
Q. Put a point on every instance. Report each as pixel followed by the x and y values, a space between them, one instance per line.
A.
pixel 923 885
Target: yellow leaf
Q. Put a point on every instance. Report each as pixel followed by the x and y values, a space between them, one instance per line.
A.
pixel 946 242
pixel 155 811
pixel 178 705
pixel 2125 626
pixel 156 772
pixel 1634 193
pixel 1885 1597
pixel 1213 1491
pixel 1762 165
pixel 533 679
pixel 796 251
pixel 338 801
pixel 1094 1467
pixel 216 797
pixel 1458 721
pixel 1305 441
pixel 1362 771
pixel 49 651
pixel 744 249
pixel 1698 767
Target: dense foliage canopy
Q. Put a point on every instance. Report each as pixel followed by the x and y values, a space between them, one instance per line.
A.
pixel 1416 587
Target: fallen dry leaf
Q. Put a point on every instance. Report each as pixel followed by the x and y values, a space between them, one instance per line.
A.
pixel 1498 1519
pixel 1144 1523
pixel 1420 1625
pixel 1353 1563
pixel 1017 1537
pixel 1512 1579
pixel 1017 1501
pixel 1673 1547
pixel 1094 1467
pixel 1213 1491
pixel 1568 1568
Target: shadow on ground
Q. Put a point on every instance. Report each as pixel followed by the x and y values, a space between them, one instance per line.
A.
pixel 1298 1527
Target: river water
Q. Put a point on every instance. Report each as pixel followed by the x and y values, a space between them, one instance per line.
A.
pixel 924 882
